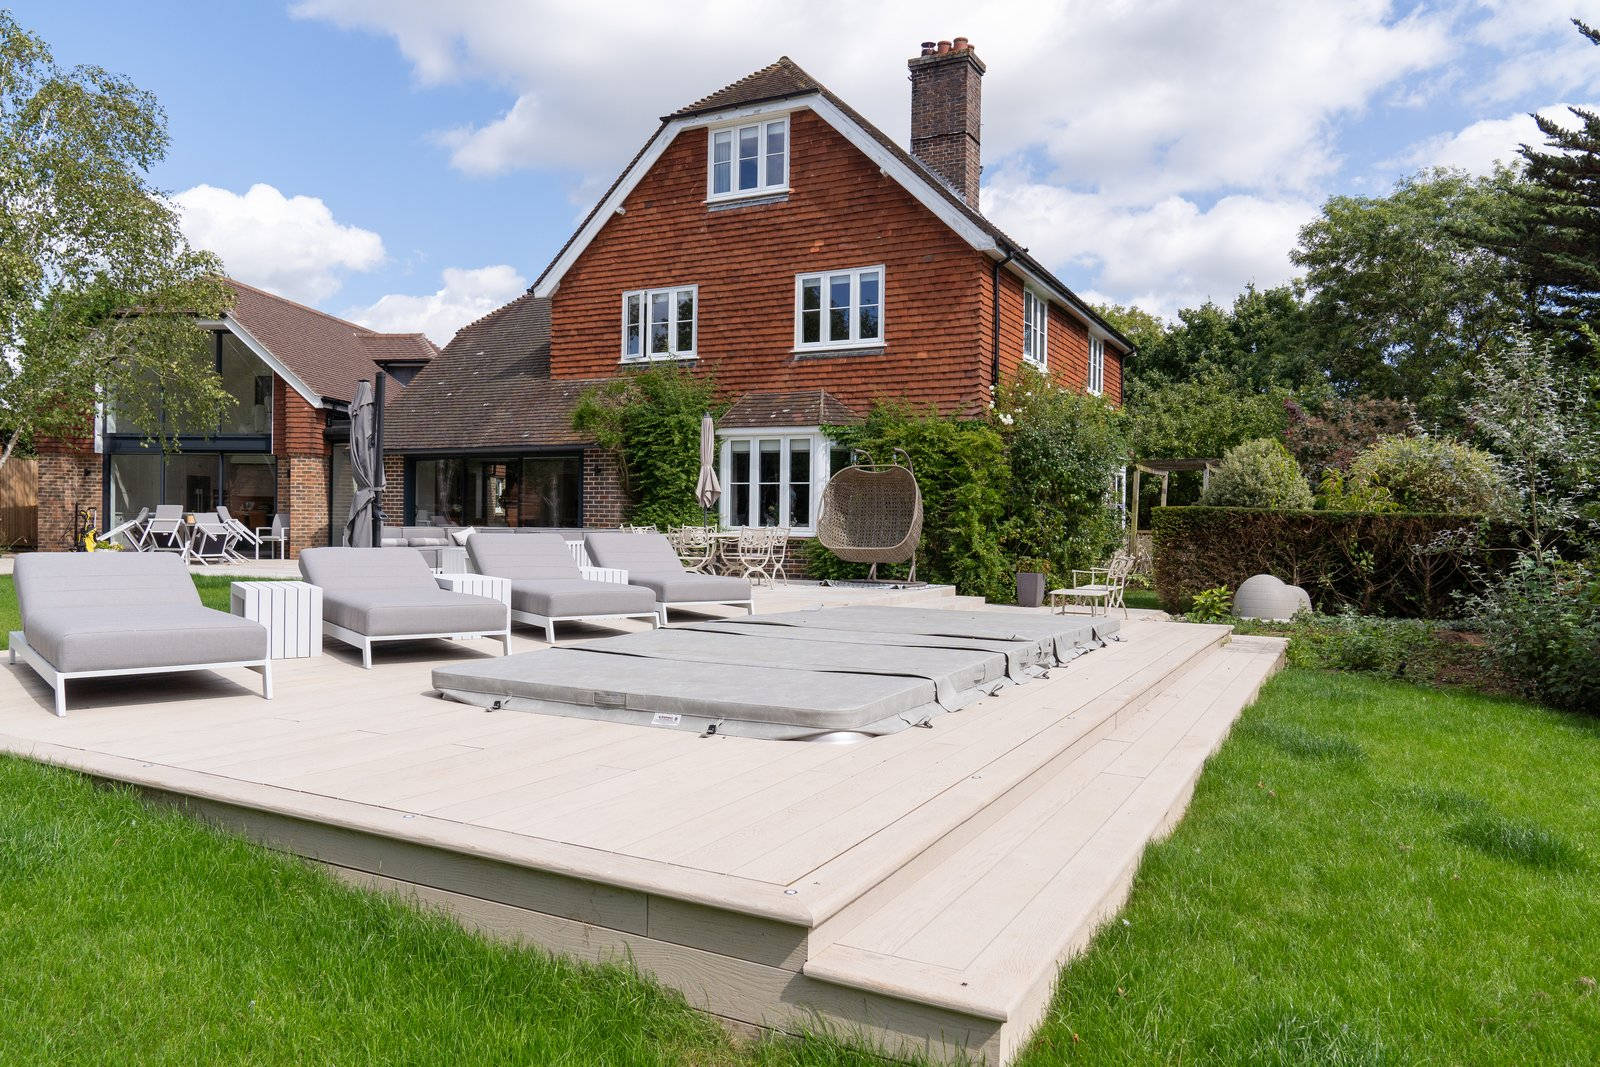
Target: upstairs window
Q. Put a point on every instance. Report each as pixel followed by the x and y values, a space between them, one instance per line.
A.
pixel 839 309
pixel 659 324
pixel 1097 366
pixel 1035 328
pixel 749 160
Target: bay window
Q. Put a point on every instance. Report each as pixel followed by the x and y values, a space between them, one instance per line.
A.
pixel 1097 366
pixel 749 160
pixel 1035 328
pixel 773 478
pixel 839 309
pixel 659 324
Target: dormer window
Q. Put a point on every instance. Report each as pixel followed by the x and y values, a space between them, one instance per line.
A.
pixel 749 160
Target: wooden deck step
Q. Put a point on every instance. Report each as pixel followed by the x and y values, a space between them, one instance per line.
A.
pixel 985 928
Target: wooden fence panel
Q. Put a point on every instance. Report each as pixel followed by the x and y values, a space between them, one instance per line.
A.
pixel 19 503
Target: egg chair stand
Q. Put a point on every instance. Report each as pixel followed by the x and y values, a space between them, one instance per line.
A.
pixel 872 513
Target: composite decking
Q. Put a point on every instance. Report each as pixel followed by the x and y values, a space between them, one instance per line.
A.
pixel 920 888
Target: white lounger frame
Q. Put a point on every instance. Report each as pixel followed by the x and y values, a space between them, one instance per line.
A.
pixel 365 643
pixel 549 621
pixel 58 679
pixel 748 605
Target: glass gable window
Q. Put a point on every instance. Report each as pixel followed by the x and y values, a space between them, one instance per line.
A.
pixel 1035 328
pixel 749 160
pixel 659 324
pixel 839 309
pixel 767 479
pixel 1097 366
pixel 248 383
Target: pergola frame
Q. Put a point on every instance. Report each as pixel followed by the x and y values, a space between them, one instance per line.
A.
pixel 1163 469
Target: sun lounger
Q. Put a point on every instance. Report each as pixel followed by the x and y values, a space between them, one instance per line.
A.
pixel 548 587
pixel 389 594
pixel 651 562
pixel 98 614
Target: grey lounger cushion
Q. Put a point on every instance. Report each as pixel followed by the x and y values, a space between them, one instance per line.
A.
pixel 682 587
pixel 545 580
pixel 650 561
pixel 389 592
pixel 123 611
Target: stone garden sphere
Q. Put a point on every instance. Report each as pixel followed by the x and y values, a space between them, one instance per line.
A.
pixel 1263 596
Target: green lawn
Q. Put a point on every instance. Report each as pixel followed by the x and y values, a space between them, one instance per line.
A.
pixel 1370 872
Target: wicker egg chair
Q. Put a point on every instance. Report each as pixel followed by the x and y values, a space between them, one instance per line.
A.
pixel 872 513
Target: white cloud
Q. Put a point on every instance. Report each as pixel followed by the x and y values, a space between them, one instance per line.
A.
pixel 465 295
pixel 1162 256
pixel 290 245
pixel 1478 147
pixel 1108 124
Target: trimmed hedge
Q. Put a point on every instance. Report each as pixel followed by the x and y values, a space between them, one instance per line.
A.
pixel 1398 565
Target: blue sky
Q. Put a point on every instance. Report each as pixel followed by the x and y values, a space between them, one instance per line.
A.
pixel 414 164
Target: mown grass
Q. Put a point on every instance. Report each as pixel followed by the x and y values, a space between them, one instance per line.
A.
pixel 1370 872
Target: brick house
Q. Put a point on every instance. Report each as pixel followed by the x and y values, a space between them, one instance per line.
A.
pixel 770 236
pixel 280 447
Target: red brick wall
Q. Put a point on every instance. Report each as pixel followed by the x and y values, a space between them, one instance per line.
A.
pixel 603 498
pixel 394 492
pixel 63 488
pixel 303 493
pixel 841 213
pixel 1067 343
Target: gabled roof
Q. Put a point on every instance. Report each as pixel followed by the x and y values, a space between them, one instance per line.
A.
pixel 489 389
pixel 799 407
pixel 784 80
pixel 323 356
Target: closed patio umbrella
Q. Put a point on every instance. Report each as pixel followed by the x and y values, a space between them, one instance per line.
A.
pixel 366 466
pixel 708 488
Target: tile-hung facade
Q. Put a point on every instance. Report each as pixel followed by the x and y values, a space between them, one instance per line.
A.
pixel 769 236
pixel 290 373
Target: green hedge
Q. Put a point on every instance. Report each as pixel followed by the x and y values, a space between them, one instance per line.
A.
pixel 1399 565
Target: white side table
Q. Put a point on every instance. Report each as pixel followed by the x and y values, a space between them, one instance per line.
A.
pixel 477 585
pixel 452 560
pixel 291 612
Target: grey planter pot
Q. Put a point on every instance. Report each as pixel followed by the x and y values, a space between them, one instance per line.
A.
pixel 1030 589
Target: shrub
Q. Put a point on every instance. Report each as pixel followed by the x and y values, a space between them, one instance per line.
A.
pixel 1399 564
pixel 1431 474
pixel 650 420
pixel 1063 448
pixel 1258 474
pixel 1211 604
pixel 1328 435
pixel 1541 619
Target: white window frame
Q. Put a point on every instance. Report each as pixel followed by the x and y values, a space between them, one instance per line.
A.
pixel 672 293
pixel 855 340
pixel 764 186
pixel 1097 365
pixel 820 449
pixel 1035 334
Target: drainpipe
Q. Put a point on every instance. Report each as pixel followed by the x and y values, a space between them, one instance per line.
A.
pixel 994 340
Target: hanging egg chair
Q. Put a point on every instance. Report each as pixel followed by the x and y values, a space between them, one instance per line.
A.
pixel 872 513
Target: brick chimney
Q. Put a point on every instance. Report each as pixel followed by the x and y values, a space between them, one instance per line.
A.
pixel 947 111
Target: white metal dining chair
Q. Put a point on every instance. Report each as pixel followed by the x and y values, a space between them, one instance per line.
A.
pixel 212 539
pixel 753 555
pixel 276 534
pixel 244 535
pixel 163 533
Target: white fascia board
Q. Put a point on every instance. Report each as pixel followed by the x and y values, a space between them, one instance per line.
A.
pixel 740 432
pixel 914 183
pixel 276 365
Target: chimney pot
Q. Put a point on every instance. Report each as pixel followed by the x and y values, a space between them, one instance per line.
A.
pixel 927 48
pixel 960 44
pixel 944 46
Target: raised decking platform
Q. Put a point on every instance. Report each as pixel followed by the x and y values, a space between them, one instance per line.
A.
pixel 920 888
